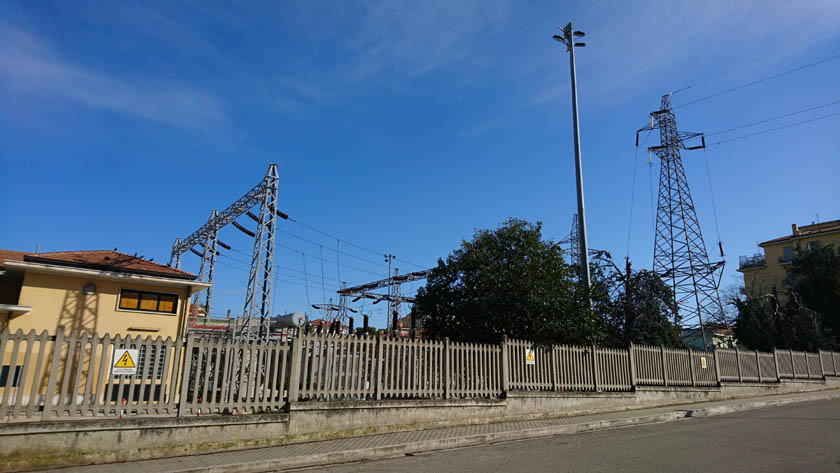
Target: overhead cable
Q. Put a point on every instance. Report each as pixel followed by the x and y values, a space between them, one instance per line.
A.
pixel 741 66
pixel 777 128
pixel 378 253
pixel 749 84
pixel 773 118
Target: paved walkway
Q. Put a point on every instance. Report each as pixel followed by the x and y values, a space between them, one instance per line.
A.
pixel 401 443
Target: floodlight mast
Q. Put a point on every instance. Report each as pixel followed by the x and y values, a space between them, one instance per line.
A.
pixel 568 39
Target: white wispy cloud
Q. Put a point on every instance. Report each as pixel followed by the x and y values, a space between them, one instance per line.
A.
pixel 632 46
pixel 28 66
pixel 409 38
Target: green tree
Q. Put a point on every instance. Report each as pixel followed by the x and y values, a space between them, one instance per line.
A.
pixel 507 282
pixel 758 323
pixel 815 291
pixel 642 311
pixel 371 331
pixel 806 316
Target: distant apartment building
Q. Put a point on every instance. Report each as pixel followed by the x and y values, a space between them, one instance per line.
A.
pixel 764 272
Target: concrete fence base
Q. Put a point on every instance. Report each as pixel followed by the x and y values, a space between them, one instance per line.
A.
pixel 62 443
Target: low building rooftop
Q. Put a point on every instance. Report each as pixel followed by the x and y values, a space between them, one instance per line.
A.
pixel 109 260
pixel 806 231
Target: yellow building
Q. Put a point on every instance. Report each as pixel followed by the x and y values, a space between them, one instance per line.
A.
pixel 95 292
pixel 764 272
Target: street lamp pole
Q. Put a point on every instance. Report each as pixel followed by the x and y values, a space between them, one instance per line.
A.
pixel 568 38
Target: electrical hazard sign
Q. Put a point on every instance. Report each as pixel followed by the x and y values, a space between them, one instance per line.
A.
pixel 703 363
pixel 530 359
pixel 124 362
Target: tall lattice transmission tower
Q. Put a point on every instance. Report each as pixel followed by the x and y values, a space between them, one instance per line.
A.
pixel 256 314
pixel 680 255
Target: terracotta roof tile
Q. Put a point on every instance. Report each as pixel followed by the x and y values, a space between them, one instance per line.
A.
pixel 99 259
pixel 11 255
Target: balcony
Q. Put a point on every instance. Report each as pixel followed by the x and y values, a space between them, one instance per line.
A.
pixel 754 261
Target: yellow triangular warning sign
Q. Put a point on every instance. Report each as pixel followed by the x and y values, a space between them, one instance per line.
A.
pixel 125 362
pixel 530 356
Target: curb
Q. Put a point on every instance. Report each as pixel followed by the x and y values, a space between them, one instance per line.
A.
pixel 390 451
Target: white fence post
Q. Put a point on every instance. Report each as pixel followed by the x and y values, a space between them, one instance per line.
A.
pixel 632 368
pixel 691 366
pixel 717 366
pixel 595 372
pixel 776 362
pixel 505 363
pixel 758 365
pixel 296 360
pixel 58 348
pixel 807 363
pixel 185 375
pixel 379 367
pixel 664 366
pixel 738 362
pixel 822 368
pixel 447 357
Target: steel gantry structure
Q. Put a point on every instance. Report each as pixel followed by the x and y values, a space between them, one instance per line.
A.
pixel 393 297
pixel 680 255
pixel 259 291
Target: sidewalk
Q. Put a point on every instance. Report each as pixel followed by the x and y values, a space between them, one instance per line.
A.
pixel 396 444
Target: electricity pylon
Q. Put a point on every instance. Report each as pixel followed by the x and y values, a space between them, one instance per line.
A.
pixel 680 255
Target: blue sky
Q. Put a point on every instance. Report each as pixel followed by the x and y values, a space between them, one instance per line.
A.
pixel 399 126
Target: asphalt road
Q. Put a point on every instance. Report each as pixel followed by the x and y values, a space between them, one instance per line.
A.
pixel 800 437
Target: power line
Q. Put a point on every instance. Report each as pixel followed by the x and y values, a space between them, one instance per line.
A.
pixel 749 84
pixel 733 69
pixel 286 268
pixel 712 195
pixel 632 196
pixel 773 118
pixel 777 128
pixel 337 240
pixel 308 302
pixel 316 184
pixel 337 266
pixel 375 252
pixel 323 291
pixel 304 253
pixel 295 250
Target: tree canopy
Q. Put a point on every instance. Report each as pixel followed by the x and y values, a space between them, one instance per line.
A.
pixel 507 282
pixel 804 315
pixel 510 281
pixel 640 312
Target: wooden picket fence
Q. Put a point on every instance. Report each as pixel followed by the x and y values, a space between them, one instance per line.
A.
pixel 70 375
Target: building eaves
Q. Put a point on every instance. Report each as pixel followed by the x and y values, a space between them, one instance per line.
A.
pixel 803 234
pixel 108 260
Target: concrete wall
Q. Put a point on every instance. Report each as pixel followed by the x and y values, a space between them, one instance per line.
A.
pixel 39 445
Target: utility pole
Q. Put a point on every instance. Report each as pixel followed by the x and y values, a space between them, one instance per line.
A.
pixel 568 38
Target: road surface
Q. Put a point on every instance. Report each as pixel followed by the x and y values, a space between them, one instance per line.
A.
pixel 800 437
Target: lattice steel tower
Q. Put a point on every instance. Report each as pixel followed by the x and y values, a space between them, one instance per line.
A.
pixel 258 295
pixel 680 255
